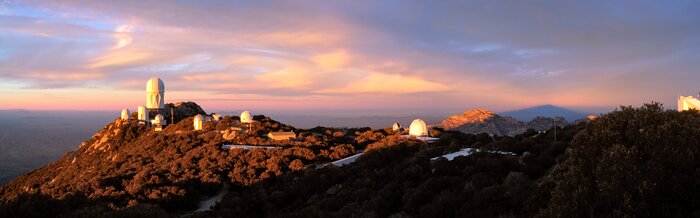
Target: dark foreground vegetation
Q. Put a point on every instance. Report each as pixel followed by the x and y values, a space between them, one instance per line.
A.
pixel 637 162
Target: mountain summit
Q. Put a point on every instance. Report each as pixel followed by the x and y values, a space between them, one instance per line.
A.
pixel 545 111
pixel 484 121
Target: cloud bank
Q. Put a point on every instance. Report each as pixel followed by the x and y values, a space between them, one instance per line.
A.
pixel 357 54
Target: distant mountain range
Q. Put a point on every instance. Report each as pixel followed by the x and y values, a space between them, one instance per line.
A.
pixel 545 111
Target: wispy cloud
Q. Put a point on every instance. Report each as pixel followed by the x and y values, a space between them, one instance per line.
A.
pixel 454 53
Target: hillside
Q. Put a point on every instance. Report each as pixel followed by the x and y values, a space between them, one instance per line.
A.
pixel 127 170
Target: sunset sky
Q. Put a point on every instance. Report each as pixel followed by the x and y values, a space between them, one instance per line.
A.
pixel 333 55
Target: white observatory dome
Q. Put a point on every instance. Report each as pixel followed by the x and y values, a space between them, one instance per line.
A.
pixel 159 119
pixel 246 117
pixel 396 127
pixel 125 114
pixel 198 122
pixel 142 114
pixel 418 128
pixel 155 93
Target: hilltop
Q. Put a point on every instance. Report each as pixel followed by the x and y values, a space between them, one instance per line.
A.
pixel 128 170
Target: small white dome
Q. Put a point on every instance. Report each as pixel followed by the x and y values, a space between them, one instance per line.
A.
pixel 396 127
pixel 418 128
pixel 246 117
pixel 158 120
pixel 125 114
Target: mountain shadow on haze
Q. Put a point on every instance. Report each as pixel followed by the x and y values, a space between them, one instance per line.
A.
pixel 545 111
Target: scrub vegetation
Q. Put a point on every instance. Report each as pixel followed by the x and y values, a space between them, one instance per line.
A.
pixel 630 162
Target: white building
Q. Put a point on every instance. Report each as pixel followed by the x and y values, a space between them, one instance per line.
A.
pixel 418 128
pixel 155 93
pixel 396 127
pixel 158 123
pixel 216 117
pixel 158 120
pixel 125 114
pixel 143 114
pixel 198 122
pixel 687 103
pixel 246 117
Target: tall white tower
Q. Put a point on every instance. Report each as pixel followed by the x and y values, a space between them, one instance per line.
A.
pixel 155 93
pixel 143 114
pixel 125 114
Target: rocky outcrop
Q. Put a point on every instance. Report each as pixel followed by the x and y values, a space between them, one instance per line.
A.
pixel 182 110
pixel 484 121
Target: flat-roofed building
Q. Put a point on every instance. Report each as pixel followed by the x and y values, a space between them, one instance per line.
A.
pixel 277 136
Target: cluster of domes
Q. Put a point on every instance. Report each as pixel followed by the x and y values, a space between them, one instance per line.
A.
pixel 155 103
pixel 418 128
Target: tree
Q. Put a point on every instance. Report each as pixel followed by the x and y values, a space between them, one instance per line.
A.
pixel 632 162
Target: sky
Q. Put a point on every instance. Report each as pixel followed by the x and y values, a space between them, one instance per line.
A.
pixel 348 55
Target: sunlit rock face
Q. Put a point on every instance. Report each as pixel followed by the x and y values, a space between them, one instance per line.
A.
pixel 483 121
pixel 182 110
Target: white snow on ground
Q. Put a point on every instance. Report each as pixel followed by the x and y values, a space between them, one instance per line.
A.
pixel 423 138
pixel 463 152
pixel 346 160
pixel 247 147
pixel 470 151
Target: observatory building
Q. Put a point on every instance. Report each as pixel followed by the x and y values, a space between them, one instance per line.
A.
pixel 687 103
pixel 198 122
pixel 418 128
pixel 397 127
pixel 155 94
pixel 216 117
pixel 125 114
pixel 278 136
pixel 246 117
pixel 143 114
pixel 158 120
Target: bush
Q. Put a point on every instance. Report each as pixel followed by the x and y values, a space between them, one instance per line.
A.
pixel 632 162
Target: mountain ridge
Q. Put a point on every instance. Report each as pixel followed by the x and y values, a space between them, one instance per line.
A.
pixel 477 121
pixel 547 110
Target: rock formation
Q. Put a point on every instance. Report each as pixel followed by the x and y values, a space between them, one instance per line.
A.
pixel 483 121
